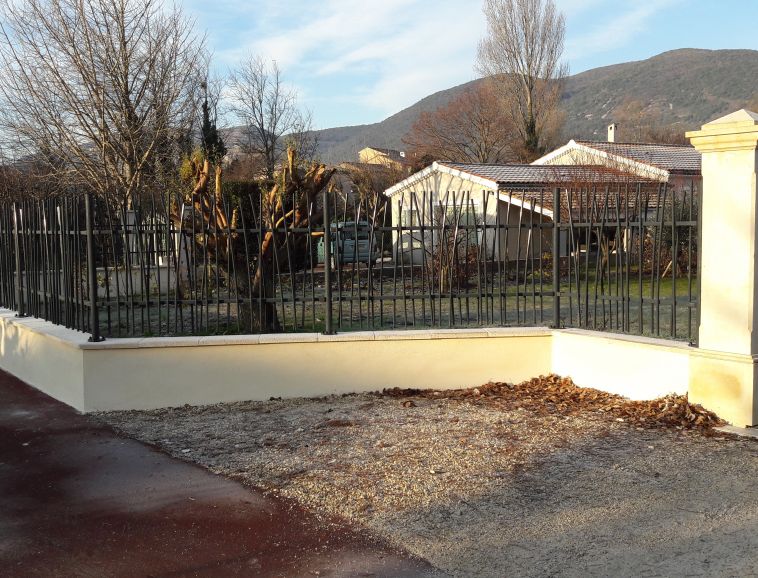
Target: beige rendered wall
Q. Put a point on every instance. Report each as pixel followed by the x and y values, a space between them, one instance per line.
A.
pixel 724 375
pixel 730 284
pixel 571 158
pixel 44 356
pixel 435 188
pixel 635 367
pixel 308 365
pixel 374 157
pixel 589 158
pixel 163 372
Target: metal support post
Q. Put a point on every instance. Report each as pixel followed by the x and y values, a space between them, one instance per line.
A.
pixel 556 258
pixel 94 315
pixel 329 322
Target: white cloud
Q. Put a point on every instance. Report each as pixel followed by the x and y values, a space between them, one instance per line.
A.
pixel 417 61
pixel 340 26
pixel 384 56
pixel 401 50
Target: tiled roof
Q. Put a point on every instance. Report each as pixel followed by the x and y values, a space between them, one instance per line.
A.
pixel 536 175
pixel 529 183
pixel 672 158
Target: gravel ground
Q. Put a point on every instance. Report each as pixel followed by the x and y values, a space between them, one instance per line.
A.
pixel 481 490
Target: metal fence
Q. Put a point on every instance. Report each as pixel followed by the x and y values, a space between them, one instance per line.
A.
pixel 620 258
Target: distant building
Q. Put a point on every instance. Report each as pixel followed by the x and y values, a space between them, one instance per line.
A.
pixel 677 165
pixel 389 158
pixel 499 195
pixel 515 194
pixel 376 177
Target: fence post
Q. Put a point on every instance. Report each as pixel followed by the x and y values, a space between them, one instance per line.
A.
pixel 724 369
pixel 556 258
pixel 17 252
pixel 329 323
pixel 94 316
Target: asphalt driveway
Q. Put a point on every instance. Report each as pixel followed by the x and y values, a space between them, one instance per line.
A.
pixel 78 500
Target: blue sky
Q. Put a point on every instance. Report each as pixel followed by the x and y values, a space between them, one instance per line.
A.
pixel 355 62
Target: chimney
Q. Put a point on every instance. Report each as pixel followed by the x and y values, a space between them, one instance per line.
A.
pixel 612 130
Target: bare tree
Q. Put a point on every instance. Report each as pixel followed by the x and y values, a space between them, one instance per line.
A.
pixel 96 88
pixel 303 138
pixel 269 113
pixel 522 53
pixel 289 205
pixel 473 128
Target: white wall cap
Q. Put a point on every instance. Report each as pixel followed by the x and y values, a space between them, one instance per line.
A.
pixel 735 131
pixel 739 116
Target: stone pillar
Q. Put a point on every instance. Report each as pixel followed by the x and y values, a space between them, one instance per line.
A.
pixel 723 371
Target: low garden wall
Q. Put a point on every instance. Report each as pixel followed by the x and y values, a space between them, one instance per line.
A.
pixel 122 374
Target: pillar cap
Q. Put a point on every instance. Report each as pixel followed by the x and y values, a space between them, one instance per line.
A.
pixel 735 131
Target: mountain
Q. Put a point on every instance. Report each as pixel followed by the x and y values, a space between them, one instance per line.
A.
pixel 688 87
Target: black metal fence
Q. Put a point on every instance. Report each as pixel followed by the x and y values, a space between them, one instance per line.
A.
pixel 620 258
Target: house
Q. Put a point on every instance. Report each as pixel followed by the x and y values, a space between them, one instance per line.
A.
pixel 389 158
pixel 356 181
pixel 447 194
pixel 676 165
pixel 519 195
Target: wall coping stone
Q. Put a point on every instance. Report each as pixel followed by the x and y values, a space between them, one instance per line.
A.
pixel 80 340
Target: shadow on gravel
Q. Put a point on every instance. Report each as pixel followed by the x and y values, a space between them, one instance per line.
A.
pixel 630 503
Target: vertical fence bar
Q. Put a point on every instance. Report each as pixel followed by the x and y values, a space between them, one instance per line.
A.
pixel 328 321
pixel 556 258
pixel 94 317
pixel 19 275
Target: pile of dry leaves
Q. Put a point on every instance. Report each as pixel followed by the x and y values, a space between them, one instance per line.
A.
pixel 556 394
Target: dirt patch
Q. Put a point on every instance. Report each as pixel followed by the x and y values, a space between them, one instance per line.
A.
pixel 536 479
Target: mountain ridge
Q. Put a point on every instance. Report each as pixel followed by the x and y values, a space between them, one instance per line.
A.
pixel 686 86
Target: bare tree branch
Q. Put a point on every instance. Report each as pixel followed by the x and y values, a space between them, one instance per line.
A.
pixel 473 128
pixel 96 89
pixel 522 53
pixel 268 111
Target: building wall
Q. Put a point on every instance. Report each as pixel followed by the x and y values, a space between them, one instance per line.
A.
pixel 422 196
pixel 374 157
pixel 575 157
pixel 522 243
pixel 588 158
pixel 423 199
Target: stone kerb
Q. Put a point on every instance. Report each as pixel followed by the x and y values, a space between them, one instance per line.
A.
pixel 723 373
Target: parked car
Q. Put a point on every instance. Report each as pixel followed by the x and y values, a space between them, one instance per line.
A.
pixel 351 243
